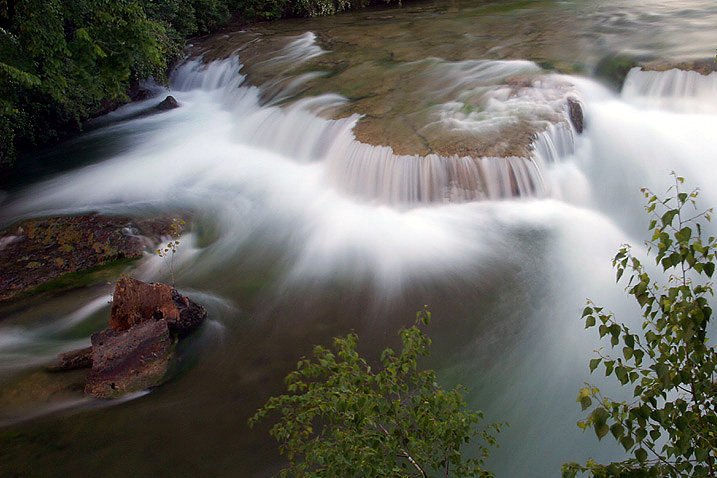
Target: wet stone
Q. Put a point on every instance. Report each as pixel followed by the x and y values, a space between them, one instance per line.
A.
pixel 169 103
pixel 136 302
pixel 130 360
pixel 575 111
pixel 75 359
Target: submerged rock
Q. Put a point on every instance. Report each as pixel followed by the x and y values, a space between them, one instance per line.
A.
pixel 75 359
pixel 136 302
pixel 169 103
pixel 28 393
pixel 130 360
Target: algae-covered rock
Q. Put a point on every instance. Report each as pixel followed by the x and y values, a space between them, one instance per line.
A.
pixel 613 69
pixel 35 252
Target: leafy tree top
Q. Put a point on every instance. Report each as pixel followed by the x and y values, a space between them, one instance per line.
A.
pixel 342 418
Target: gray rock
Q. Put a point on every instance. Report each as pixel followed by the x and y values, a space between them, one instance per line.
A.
pixel 169 103
pixel 575 110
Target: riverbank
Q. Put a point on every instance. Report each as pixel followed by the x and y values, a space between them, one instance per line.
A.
pixel 77 64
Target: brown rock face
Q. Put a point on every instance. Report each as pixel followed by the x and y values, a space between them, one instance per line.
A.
pixel 75 359
pixel 136 302
pixel 130 360
pixel 576 115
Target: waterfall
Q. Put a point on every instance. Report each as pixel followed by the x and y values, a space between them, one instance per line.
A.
pixel 677 90
pixel 300 131
pixel 300 232
pixel 376 172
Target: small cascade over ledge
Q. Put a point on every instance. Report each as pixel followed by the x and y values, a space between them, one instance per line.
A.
pixel 300 131
pixel 676 90
pixel 376 172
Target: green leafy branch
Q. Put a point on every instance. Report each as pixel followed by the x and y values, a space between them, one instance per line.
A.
pixel 342 418
pixel 670 426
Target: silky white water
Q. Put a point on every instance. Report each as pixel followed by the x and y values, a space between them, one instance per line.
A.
pixel 504 251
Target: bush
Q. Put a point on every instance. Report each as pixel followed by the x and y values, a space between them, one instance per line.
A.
pixel 670 426
pixel 342 418
pixel 62 61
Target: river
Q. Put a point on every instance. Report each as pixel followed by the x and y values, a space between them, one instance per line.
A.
pixel 341 173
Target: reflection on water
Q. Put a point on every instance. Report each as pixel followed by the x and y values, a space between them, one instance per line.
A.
pixel 302 232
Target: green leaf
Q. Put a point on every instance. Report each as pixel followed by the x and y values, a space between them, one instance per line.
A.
pixel 674 344
pixel 601 430
pixel 668 217
pixel 594 363
pixel 366 417
pixel 641 455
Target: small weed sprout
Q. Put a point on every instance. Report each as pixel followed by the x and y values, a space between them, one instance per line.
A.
pixel 167 252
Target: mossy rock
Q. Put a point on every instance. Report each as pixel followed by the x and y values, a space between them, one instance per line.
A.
pixel 66 252
pixel 613 69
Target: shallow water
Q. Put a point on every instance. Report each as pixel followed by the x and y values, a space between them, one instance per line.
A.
pixel 302 232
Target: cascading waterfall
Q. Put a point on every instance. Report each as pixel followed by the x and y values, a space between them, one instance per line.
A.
pixel 372 172
pixel 293 214
pixel 376 172
pixel 674 89
pixel 661 122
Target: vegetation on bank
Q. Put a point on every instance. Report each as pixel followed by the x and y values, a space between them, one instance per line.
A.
pixel 63 61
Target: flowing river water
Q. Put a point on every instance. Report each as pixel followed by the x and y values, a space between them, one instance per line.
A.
pixel 341 173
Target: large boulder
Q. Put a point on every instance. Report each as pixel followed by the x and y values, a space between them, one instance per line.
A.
pixel 130 360
pixel 135 302
pixel 137 351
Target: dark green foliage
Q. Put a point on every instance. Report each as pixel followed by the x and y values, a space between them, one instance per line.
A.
pixel 342 418
pixel 59 60
pixel 614 68
pixel 183 18
pixel 62 61
pixel 670 426
pixel 273 9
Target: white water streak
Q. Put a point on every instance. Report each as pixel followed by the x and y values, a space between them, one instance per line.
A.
pixel 674 90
